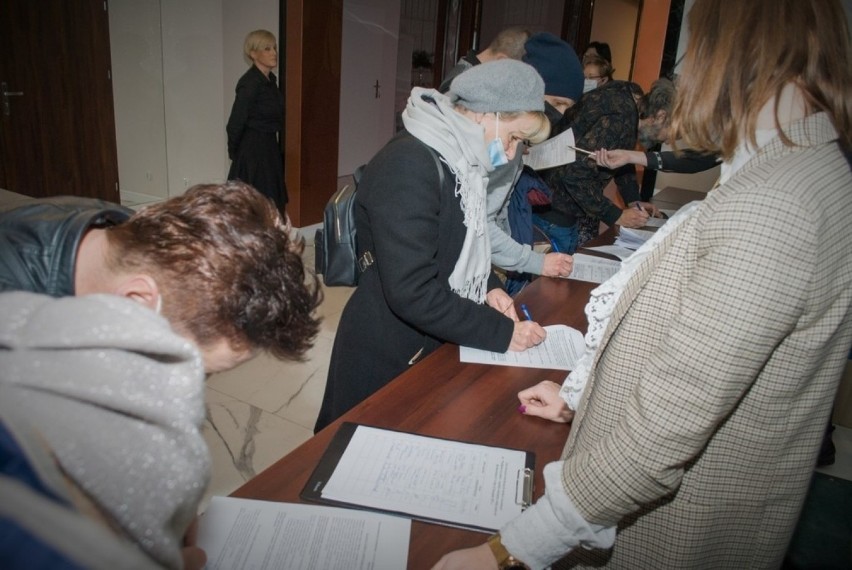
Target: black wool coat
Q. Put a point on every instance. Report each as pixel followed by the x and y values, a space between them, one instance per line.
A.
pixel 403 308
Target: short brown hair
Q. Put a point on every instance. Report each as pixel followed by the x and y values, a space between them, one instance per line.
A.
pixel 226 268
pixel 510 42
pixel 741 54
pixel 604 67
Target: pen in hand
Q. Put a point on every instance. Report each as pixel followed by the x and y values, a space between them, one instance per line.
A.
pixel 526 312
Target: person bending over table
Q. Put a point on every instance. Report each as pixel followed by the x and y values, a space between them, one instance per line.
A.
pixel 716 351
pixel 218 262
pixel 420 213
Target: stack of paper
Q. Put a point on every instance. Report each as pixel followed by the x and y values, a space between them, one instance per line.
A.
pixel 632 239
pixel 241 534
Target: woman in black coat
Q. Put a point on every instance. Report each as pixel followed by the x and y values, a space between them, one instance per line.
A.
pixel 256 120
pixel 420 213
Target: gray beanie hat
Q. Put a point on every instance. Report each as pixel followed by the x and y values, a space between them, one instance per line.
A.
pixel 504 85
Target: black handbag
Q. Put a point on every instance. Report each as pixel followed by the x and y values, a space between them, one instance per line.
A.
pixel 336 253
pixel 336 248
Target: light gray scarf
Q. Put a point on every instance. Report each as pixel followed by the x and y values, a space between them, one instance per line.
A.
pixel 461 144
pixel 118 398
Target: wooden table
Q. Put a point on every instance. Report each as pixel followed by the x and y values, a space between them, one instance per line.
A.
pixel 443 397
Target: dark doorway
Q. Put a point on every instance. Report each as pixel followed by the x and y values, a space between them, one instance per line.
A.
pixel 57 125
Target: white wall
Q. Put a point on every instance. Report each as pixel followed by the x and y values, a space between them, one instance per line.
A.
pixel 137 85
pixel 369 41
pixel 614 22
pixel 175 65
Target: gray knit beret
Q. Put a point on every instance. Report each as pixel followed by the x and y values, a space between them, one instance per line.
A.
pixel 504 85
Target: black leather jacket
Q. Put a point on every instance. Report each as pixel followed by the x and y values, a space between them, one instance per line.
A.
pixel 39 241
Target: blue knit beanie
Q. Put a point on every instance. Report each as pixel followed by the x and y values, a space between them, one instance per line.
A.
pixel 503 85
pixel 557 63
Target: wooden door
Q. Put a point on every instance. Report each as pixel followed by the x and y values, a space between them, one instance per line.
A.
pixel 58 136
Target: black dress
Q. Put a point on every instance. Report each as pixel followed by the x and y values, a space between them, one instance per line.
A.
pixel 256 120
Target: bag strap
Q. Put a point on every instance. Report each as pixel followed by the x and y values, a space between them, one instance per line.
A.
pixel 366 259
pixel 437 164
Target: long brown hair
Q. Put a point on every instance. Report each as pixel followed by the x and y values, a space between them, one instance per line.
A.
pixel 742 54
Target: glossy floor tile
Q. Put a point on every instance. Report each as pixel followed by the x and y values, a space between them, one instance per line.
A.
pixel 264 408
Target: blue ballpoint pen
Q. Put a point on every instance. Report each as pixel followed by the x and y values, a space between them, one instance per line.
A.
pixel 553 245
pixel 526 312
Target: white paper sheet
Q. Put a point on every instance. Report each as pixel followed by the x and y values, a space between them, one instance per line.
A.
pixel 245 534
pixel 593 268
pixel 552 152
pixel 449 481
pixel 559 351
pixel 632 238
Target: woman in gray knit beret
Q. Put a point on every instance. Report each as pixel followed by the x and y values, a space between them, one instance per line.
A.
pixel 422 237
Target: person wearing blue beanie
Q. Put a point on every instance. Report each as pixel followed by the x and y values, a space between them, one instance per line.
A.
pixel 558 64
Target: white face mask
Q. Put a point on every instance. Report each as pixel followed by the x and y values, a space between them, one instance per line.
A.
pixel 589 84
pixel 495 148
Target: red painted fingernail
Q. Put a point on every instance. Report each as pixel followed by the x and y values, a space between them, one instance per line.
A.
pixel 522 409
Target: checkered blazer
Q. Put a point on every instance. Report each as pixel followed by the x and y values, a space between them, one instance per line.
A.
pixel 699 428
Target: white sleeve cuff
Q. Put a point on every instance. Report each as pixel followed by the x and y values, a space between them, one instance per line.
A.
pixel 552 527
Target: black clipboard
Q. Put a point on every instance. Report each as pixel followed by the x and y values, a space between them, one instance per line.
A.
pixel 328 463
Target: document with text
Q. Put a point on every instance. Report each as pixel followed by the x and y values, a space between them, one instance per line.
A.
pixel 246 534
pixel 560 351
pixel 552 152
pixel 477 487
pixel 593 268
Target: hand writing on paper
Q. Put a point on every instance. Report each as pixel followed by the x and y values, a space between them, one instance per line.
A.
pixel 527 334
pixel 557 265
pixel 476 558
pixel 543 400
pixel 632 216
pixel 500 300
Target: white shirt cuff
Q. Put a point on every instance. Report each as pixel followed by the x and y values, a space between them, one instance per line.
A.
pixel 552 527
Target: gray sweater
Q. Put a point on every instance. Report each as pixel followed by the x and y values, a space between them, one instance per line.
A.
pixel 98 390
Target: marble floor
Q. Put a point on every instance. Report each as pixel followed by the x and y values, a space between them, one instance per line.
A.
pixel 264 408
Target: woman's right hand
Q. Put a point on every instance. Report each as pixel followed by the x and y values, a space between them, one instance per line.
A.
pixel 557 265
pixel 527 334
pixel 632 217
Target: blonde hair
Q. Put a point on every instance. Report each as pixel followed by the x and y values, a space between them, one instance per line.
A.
pixel 742 54
pixel 536 135
pixel 541 132
pixel 257 40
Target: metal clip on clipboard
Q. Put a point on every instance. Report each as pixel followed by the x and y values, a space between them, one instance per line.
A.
pixel 524 487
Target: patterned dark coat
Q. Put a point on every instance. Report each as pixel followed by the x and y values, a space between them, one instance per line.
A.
pixel 606 117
